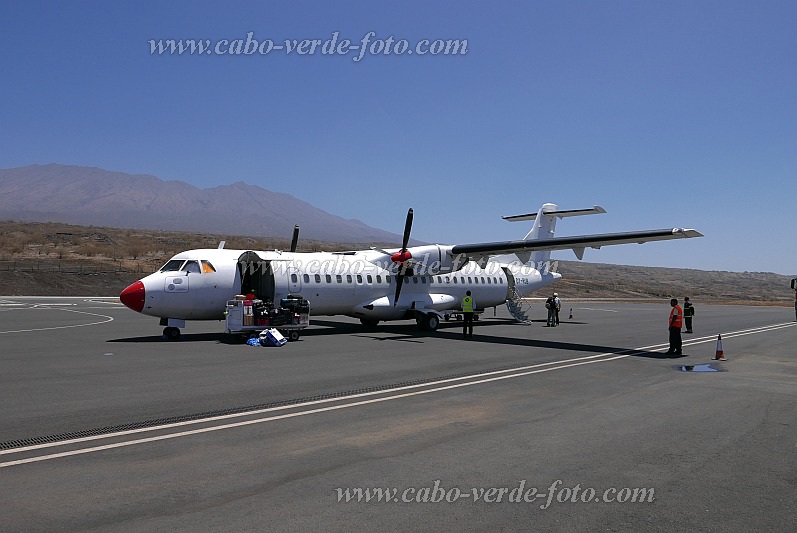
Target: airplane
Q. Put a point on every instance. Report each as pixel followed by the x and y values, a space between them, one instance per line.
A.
pixel 424 282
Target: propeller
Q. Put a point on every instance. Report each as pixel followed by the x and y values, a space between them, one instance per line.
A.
pixel 402 256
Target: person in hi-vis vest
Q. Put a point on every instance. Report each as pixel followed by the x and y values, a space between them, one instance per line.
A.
pixel 468 306
pixel 675 324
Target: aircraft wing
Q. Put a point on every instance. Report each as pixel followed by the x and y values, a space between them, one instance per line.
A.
pixel 577 243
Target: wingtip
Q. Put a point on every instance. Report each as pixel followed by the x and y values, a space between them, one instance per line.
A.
pixel 688 233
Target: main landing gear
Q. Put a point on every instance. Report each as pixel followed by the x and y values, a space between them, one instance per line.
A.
pixel 425 321
pixel 428 321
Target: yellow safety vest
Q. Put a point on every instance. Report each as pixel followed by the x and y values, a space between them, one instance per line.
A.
pixel 467 304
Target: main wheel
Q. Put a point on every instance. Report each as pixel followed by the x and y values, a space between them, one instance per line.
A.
pixel 432 322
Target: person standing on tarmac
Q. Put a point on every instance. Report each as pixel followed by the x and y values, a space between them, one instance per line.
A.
pixel 675 324
pixel 689 312
pixel 550 305
pixel 557 306
pixel 468 306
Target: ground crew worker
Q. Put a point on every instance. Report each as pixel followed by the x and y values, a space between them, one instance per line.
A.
pixel 550 305
pixel 557 306
pixel 675 323
pixel 689 312
pixel 468 306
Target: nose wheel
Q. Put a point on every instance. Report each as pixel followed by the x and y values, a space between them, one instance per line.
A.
pixel 171 333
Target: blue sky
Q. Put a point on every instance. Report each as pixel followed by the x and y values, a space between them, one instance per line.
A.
pixel 677 113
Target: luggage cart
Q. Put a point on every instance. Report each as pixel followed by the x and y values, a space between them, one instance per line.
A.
pixel 248 318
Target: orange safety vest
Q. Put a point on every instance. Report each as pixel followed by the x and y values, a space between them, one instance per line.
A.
pixel 676 317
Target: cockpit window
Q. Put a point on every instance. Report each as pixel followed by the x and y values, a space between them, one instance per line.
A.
pixel 173 265
pixel 207 268
pixel 191 266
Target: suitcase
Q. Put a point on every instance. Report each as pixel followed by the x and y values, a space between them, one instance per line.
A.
pixel 272 337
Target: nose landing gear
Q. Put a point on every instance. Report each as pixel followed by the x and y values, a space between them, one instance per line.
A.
pixel 171 333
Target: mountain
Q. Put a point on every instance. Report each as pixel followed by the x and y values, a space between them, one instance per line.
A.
pixel 93 196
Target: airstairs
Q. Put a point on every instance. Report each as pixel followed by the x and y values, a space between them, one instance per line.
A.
pixel 517 307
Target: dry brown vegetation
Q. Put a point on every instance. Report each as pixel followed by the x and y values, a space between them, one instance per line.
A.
pixel 67 260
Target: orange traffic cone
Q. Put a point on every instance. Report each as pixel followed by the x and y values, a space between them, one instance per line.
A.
pixel 720 356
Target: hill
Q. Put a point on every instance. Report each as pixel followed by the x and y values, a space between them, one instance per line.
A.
pixel 93 196
pixel 67 260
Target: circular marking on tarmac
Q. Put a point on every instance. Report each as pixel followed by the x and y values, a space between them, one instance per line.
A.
pixel 105 317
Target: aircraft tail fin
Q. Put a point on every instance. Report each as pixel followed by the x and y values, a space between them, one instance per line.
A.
pixel 545 226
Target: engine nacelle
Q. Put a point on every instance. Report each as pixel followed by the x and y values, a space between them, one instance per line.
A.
pixel 433 259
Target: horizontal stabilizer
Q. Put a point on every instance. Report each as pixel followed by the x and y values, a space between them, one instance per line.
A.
pixel 596 210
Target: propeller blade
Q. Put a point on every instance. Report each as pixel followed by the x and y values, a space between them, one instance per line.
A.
pixel 295 239
pixel 407 228
pixel 399 282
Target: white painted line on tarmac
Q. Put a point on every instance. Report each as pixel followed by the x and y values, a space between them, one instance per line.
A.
pixel 106 317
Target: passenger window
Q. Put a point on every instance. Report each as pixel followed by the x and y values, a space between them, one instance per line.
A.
pixel 469 281
pixel 306 278
pixel 339 278
pixel 191 266
pixel 348 278
pixel 476 280
pixel 414 280
pixel 462 279
pixel 439 279
pixel 318 278
pixel 294 278
pixel 488 281
pixel 207 268
pixel 387 279
pixel 423 280
pixel 359 278
pixel 378 278
pixel 482 280
pixel 369 278
pixel 455 279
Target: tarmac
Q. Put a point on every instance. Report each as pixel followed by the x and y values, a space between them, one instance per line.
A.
pixel 586 426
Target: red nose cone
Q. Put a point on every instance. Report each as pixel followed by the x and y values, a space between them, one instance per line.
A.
pixel 133 296
pixel 401 257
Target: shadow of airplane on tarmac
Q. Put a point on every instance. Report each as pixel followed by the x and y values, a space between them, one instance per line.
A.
pixel 408 332
pixel 453 331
